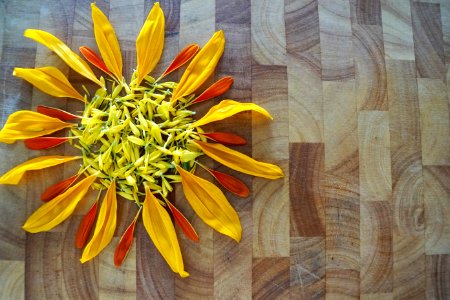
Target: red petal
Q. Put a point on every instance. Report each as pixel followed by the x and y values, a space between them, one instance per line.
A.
pixel 125 243
pixel 57 188
pixel 86 226
pixel 39 143
pixel 183 57
pixel 56 113
pixel 216 89
pixel 226 138
pixel 184 224
pixel 231 183
pixel 94 58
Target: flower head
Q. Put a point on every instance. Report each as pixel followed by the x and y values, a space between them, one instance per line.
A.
pixel 136 139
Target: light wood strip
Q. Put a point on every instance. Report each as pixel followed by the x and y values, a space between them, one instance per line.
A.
pixel 336 40
pixel 304 75
pixel 307 268
pixel 436 199
pixel 12 279
pixel 438 276
pixel 129 14
pixel 270 144
pixel 113 284
pixel 445 21
pixel 434 122
pixel 235 259
pixel 397 29
pixel 342 284
pixel 307 213
pixel 268 32
pixel 270 278
pixel 374 156
pixel 370 69
pixel 378 296
pixel 376 247
pixel 428 40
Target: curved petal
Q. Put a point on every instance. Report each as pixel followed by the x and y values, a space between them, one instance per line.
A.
pixel 50 80
pixel 231 183
pixel 86 225
pixel 225 138
pixel 63 51
pixel 150 42
pixel 44 142
pixel 124 245
pixel 201 67
pixel 210 204
pixel 56 113
pixel 216 89
pixel 56 211
pixel 25 124
pixel 228 108
pixel 240 162
pixel 94 59
pixel 183 57
pixel 105 227
pixel 160 228
pixel 184 224
pixel 107 42
pixel 59 187
pixel 14 175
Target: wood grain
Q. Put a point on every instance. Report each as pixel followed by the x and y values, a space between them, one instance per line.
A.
pixel 359 91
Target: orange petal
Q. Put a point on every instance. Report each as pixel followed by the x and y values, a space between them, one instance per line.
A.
pixel 57 188
pixel 125 243
pixel 56 113
pixel 225 138
pixel 40 143
pixel 85 227
pixel 216 89
pixel 183 57
pixel 184 224
pixel 231 183
pixel 92 57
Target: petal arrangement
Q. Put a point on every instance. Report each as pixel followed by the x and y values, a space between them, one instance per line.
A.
pixel 136 139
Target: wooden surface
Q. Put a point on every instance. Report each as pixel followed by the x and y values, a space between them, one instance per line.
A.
pixel 359 90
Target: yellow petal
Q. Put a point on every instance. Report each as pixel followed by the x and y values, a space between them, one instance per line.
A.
pixel 14 175
pixel 211 205
pixel 105 226
pixel 160 228
pixel 150 42
pixel 25 124
pixel 201 67
pixel 60 208
pixel 107 42
pixel 227 108
pixel 240 162
pixel 50 80
pixel 63 51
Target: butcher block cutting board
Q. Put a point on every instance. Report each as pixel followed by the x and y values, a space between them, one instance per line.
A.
pixel 359 92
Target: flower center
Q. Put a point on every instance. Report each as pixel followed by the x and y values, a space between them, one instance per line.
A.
pixel 133 135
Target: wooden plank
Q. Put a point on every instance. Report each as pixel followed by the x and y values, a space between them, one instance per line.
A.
pixel 436 195
pixel 428 40
pixel 397 29
pixel 270 144
pixel 126 17
pixel 378 296
pixel 12 275
pixel 370 69
pixel 268 32
pixel 307 213
pixel 366 12
pixel 434 122
pixel 304 75
pixel 336 40
pixel 376 247
pixel 438 276
pixel 374 156
pixel 307 268
pixel 270 278
pixel 111 283
pixel 342 284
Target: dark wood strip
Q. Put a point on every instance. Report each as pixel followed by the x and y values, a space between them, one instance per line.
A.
pixel 376 247
pixel 366 12
pixel 307 212
pixel 342 283
pixel 270 278
pixel 428 40
pixel 438 276
pixel 12 277
pixel 307 268
pixel 370 69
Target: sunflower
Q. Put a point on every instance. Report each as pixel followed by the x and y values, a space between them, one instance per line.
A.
pixel 136 140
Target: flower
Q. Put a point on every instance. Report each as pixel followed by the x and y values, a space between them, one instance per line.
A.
pixel 136 139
